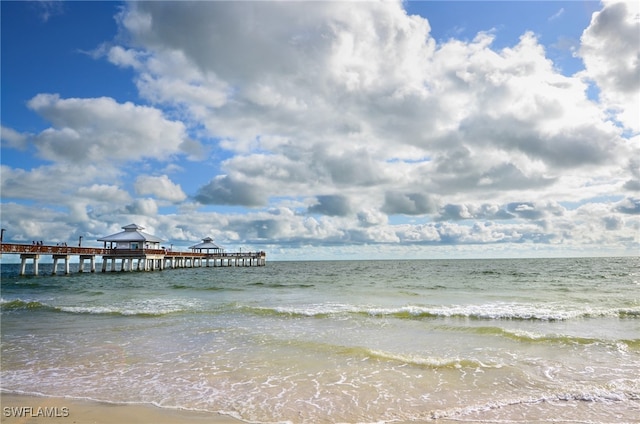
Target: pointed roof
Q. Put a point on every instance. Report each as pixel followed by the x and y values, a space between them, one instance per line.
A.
pixel 207 243
pixel 132 232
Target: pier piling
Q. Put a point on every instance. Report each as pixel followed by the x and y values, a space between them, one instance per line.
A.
pixel 92 261
pixel 23 262
pixel 56 258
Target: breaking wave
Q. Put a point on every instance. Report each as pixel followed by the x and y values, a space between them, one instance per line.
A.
pixel 591 395
pixel 149 307
pixel 428 361
pixel 495 311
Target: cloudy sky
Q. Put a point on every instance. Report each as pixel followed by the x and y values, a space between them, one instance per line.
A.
pixel 325 130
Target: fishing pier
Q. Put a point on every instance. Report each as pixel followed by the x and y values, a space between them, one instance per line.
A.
pixel 132 250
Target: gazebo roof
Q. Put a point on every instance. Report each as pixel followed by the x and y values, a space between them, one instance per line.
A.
pixel 132 232
pixel 207 243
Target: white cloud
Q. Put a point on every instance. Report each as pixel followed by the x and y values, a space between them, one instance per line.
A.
pixel 102 130
pixel 26 224
pixel 227 190
pixel 104 193
pixel 335 90
pixel 50 184
pixel 610 48
pixel 13 138
pixel 143 207
pixel 49 9
pixel 161 187
pixel 331 205
pixel 122 57
pixel 556 15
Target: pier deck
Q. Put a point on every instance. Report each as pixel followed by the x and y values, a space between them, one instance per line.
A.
pixel 130 259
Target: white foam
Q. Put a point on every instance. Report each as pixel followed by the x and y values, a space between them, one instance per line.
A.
pixel 137 307
pixel 500 310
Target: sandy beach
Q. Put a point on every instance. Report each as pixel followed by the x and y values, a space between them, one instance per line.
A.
pixel 47 410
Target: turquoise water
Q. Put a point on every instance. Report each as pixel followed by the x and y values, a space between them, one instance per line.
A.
pixel 364 341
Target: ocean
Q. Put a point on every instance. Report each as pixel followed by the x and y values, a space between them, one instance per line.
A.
pixel 509 340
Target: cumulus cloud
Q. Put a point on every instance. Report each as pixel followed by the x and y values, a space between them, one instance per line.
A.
pixel 49 183
pixel 227 190
pixel 629 206
pixel 13 138
pixel 610 48
pixel 363 87
pixel 102 130
pixel 612 223
pixel 143 207
pixel 27 223
pixel 332 205
pixel 104 193
pixel 161 187
pixel 491 212
pixel 371 218
pixel 634 168
pixel 407 203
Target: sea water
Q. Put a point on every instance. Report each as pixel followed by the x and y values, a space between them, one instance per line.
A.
pixel 538 340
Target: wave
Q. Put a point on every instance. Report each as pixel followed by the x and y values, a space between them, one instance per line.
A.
pixel 553 338
pixel 142 308
pixel 604 396
pixel 210 288
pixel 316 311
pixel 18 304
pixel 427 361
pixel 629 313
pixel 282 285
pixel 363 354
pixel 528 336
pixel 494 311
pixel 505 311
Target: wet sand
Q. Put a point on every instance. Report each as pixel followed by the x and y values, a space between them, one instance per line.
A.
pixel 47 410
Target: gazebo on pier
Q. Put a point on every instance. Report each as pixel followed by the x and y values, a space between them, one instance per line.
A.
pixel 210 249
pixel 132 238
pixel 130 244
pixel 207 246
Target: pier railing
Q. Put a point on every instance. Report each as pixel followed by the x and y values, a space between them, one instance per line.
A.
pixel 170 253
pixel 51 250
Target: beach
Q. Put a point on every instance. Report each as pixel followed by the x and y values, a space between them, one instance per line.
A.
pixel 510 341
pixel 22 409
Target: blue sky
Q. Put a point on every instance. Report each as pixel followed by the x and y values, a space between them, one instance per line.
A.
pixel 328 130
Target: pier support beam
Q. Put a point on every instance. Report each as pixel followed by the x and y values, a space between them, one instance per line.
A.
pixel 23 263
pixel 92 259
pixel 56 258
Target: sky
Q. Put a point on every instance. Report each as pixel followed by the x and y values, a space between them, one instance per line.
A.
pixel 325 130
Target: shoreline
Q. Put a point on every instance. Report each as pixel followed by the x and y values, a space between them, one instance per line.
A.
pixel 32 409
pixel 64 410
